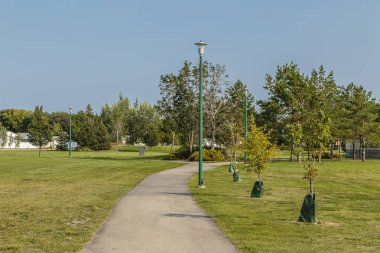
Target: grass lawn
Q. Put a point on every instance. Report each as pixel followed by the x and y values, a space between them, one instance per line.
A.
pixel 348 208
pixel 55 203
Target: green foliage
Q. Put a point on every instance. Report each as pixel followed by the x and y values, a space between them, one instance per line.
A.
pixel 3 135
pixel 310 170
pixel 115 117
pixel 144 125
pixel 360 111
pixel 259 150
pixel 178 104
pixel 15 120
pixel 179 154
pixel 39 129
pixel 208 155
pixel 62 140
pixel 89 131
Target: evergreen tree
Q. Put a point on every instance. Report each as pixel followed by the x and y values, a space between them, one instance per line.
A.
pixel 39 129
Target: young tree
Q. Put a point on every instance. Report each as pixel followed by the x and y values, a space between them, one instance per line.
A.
pixel 62 140
pixel 308 210
pixel 259 151
pixel 39 130
pixel 17 140
pixel 3 135
pixel 115 117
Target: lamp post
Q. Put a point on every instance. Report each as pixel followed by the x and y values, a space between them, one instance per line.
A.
pixel 70 109
pixel 245 125
pixel 201 49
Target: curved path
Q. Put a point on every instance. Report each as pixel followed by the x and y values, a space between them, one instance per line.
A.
pixel 159 215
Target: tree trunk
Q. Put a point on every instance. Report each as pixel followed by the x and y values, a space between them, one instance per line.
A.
pixel 117 144
pixel 192 141
pixel 308 153
pixel 311 186
pixel 320 155
pixel 291 153
pixel 39 152
pixel 173 141
pixel 363 151
pixel 213 133
pixel 331 150
pixel 353 150
pixel 299 156
pixel 340 150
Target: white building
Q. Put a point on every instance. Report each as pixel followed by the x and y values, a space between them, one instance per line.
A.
pixel 21 141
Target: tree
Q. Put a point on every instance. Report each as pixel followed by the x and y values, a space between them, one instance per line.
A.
pixel 62 140
pixel 361 115
pixel 259 151
pixel 3 135
pixel 15 120
pixel 178 105
pixel 39 130
pixel 289 94
pixel 215 84
pixel 89 130
pixel 144 124
pixel 17 140
pixel 233 110
pixel 308 210
pixel 115 117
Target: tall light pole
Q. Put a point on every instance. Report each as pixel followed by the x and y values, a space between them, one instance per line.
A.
pixel 245 125
pixel 70 109
pixel 201 49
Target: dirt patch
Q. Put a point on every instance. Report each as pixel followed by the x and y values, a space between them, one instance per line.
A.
pixel 78 221
pixel 321 223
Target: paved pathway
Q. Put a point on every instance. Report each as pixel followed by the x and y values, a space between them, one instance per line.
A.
pixel 159 215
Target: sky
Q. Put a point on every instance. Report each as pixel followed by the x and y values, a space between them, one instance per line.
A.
pixel 71 53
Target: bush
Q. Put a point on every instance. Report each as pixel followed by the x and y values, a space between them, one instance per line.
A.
pixel 179 154
pixel 171 156
pixel 208 155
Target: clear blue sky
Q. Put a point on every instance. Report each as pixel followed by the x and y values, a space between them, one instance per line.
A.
pixel 71 53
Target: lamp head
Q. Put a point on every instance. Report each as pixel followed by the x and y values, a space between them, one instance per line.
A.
pixel 201 47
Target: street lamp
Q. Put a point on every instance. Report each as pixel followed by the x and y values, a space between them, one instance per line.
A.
pixel 201 49
pixel 245 125
pixel 70 109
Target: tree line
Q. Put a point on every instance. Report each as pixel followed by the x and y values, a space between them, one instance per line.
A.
pixel 302 112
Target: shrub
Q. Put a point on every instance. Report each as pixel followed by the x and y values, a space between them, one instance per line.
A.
pixel 179 154
pixel 208 155
pixel 171 156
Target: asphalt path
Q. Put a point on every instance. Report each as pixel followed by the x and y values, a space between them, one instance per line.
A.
pixel 159 215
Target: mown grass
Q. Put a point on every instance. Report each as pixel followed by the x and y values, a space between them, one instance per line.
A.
pixel 348 207
pixel 55 203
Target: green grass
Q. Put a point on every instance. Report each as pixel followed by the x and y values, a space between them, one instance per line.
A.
pixel 55 203
pixel 348 208
pixel 156 149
